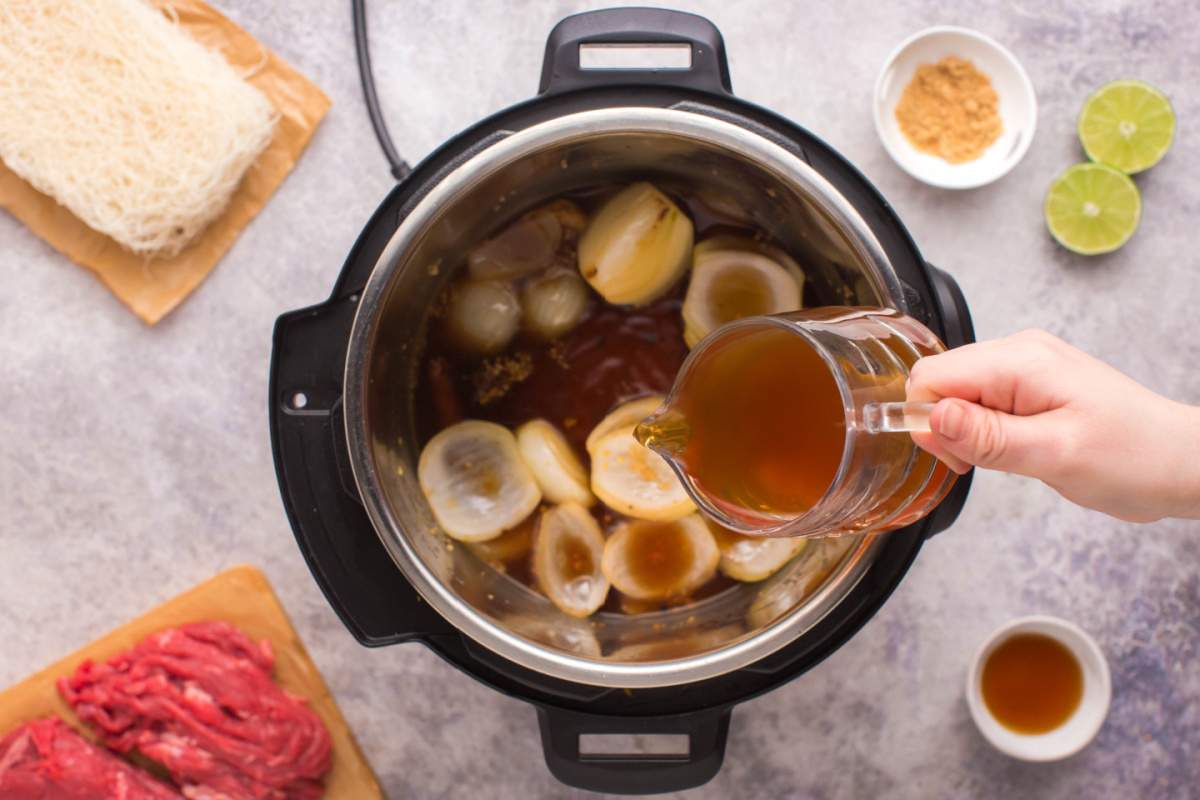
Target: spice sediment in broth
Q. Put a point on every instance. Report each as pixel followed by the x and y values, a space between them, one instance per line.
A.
pixel 613 355
pixel 574 557
pixel 660 556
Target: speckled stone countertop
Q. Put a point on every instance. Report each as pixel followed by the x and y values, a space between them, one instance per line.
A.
pixel 135 462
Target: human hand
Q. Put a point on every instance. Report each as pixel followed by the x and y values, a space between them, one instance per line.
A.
pixel 1034 405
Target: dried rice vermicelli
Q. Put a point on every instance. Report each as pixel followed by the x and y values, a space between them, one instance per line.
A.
pixel 119 115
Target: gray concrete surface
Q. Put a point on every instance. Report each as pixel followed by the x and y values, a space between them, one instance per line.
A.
pixel 134 462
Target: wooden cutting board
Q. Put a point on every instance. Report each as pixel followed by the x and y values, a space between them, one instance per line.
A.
pixel 243 597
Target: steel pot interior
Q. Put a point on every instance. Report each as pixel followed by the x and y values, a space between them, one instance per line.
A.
pixel 735 170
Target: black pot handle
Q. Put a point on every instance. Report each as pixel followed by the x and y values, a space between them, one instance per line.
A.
pixel 706 732
pixel 952 306
pixel 562 71
pixel 957 331
pixel 951 506
pixel 333 531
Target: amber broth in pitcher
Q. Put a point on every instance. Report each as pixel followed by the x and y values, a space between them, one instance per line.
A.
pixel 760 422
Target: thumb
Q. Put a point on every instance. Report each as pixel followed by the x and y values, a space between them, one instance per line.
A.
pixel 984 437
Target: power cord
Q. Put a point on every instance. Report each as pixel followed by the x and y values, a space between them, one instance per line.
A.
pixel 399 166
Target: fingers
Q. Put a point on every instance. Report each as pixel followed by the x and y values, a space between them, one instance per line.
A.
pixel 1005 384
pixel 968 434
pixel 1014 375
pixel 929 443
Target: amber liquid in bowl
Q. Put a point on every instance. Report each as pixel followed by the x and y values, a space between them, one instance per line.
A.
pixel 1032 683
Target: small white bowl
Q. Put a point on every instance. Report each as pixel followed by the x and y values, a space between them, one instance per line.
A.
pixel 1018 106
pixel 1080 728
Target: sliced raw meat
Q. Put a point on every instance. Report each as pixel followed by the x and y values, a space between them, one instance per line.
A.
pixel 47 760
pixel 199 700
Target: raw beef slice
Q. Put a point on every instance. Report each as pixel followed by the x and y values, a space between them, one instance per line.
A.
pixel 47 760
pixel 199 700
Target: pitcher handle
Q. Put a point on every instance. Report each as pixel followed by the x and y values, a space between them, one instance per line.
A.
pixel 896 417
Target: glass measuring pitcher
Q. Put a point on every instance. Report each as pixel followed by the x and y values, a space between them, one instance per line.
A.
pixel 797 425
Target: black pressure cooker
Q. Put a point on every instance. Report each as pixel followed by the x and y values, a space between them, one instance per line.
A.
pixel 344 379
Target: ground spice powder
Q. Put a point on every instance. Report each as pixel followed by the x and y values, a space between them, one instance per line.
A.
pixel 950 110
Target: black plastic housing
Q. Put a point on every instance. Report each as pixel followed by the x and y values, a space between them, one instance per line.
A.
pixel 341 546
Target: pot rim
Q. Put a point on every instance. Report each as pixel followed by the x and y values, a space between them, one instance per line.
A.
pixel 769 156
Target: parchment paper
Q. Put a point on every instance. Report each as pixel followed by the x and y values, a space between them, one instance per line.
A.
pixel 152 287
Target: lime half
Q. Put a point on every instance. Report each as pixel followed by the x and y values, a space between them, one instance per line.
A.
pixel 1128 125
pixel 1092 209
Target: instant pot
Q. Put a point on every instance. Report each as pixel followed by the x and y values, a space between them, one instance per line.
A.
pixel 344 375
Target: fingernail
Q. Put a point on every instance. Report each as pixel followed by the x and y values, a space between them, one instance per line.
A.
pixel 952 422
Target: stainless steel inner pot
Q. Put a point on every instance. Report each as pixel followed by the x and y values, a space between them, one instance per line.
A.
pixel 735 170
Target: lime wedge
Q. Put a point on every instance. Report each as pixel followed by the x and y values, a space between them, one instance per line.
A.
pixel 1092 209
pixel 1128 125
